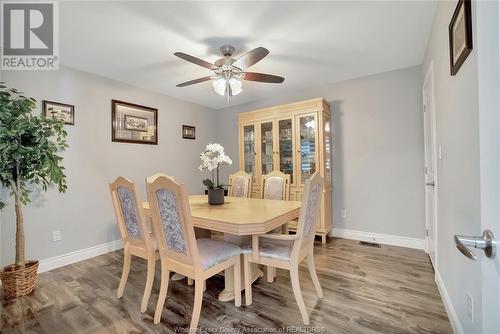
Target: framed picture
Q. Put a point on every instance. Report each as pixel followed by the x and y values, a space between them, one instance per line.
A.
pixel 460 35
pixel 188 132
pixel 133 123
pixel 66 112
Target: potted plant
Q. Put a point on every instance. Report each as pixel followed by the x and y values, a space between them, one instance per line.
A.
pixel 29 147
pixel 211 159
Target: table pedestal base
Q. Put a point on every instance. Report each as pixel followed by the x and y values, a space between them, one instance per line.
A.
pixel 228 293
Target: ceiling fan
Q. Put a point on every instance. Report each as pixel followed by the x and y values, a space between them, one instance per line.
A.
pixel 229 72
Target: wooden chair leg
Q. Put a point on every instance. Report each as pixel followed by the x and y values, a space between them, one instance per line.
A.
pixel 127 258
pixel 165 275
pixel 247 272
pixel 314 275
pixel 294 275
pixel 149 283
pixel 271 273
pixel 198 299
pixel 237 281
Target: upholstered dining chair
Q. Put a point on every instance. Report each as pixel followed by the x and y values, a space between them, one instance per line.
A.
pixel 240 184
pixel 197 259
pixel 135 233
pixel 275 185
pixel 199 233
pixel 288 251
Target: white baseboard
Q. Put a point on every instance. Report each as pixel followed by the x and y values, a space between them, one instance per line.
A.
pixel 452 314
pixel 77 256
pixel 385 239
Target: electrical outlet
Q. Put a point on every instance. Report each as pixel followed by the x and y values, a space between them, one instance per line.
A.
pixel 343 213
pixel 470 307
pixel 56 236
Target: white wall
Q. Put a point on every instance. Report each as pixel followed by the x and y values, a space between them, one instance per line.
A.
pixel 84 214
pixel 378 149
pixel 457 131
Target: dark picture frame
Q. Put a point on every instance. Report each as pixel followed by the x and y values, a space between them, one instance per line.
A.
pixel 63 111
pixel 133 123
pixel 188 132
pixel 460 35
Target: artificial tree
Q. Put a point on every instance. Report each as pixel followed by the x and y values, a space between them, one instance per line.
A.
pixel 29 147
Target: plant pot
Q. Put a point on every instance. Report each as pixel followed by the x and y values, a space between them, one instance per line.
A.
pixel 19 282
pixel 216 196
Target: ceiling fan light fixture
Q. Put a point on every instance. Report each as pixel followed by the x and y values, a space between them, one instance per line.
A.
pixel 220 86
pixel 235 86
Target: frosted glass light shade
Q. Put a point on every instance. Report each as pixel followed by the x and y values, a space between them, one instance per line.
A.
pixel 235 86
pixel 220 86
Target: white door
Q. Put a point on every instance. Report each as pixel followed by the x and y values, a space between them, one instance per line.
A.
pixel 488 43
pixel 430 166
pixel 488 60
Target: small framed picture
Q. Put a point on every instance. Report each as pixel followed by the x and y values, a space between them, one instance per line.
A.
pixel 188 132
pixel 133 123
pixel 460 35
pixel 65 112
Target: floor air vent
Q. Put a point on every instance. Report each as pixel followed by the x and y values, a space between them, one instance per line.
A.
pixel 369 244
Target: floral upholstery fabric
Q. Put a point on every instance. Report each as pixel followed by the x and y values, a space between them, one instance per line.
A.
pixel 272 248
pixel 274 188
pixel 311 210
pixel 239 187
pixel 213 252
pixel 129 212
pixel 170 221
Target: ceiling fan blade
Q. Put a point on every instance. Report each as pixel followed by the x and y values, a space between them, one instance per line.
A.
pixel 261 77
pixel 195 81
pixel 194 60
pixel 251 58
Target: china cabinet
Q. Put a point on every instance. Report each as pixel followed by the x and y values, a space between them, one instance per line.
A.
pixel 295 139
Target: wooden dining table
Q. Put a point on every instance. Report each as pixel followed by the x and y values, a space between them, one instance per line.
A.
pixel 238 218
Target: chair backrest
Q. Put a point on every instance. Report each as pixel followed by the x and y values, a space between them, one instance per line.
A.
pixel 310 208
pixel 129 213
pixel 171 217
pixel 275 185
pixel 240 184
pixel 155 176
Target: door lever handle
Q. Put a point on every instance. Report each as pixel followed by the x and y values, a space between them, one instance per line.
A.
pixel 430 184
pixel 484 242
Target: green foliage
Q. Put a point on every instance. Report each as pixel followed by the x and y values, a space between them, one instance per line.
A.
pixel 208 183
pixel 29 146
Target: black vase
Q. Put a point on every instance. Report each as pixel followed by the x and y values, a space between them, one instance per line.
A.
pixel 216 196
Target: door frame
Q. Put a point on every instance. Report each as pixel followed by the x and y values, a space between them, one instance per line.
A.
pixel 431 112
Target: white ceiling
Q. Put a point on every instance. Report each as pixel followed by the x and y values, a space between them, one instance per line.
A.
pixel 311 43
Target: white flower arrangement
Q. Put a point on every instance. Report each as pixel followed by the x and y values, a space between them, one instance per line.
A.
pixel 213 157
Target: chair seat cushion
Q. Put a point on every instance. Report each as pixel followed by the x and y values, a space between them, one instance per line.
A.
pixel 272 248
pixel 213 252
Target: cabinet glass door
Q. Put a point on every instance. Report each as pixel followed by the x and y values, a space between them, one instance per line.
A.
pixel 286 147
pixel 249 149
pixel 328 149
pixel 307 146
pixel 267 152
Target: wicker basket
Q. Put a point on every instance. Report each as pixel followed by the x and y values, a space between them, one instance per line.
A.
pixel 19 282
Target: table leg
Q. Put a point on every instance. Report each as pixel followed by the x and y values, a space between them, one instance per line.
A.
pixel 228 293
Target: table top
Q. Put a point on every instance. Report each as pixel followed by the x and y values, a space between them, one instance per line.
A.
pixel 240 216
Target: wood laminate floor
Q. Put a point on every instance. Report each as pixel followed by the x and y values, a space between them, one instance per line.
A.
pixel 366 290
